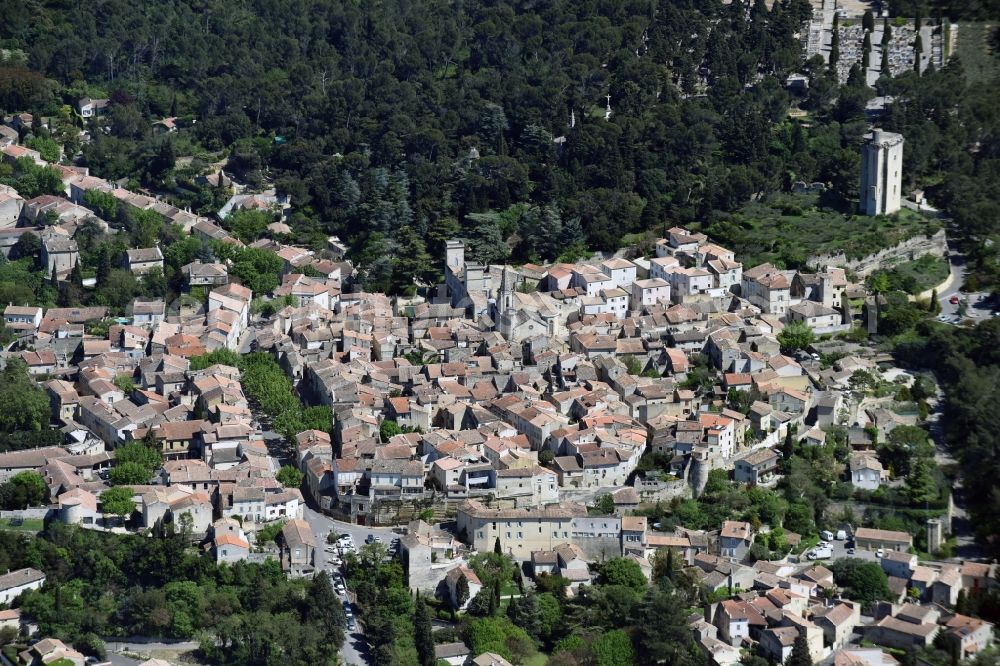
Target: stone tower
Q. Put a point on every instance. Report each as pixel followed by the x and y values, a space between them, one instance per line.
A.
pixel 506 300
pixel 881 172
pixel 454 253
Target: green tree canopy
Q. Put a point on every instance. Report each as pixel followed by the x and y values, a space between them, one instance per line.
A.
pixel 795 336
pixel 863 581
pixel 118 501
pixel 289 476
pixel 624 572
pixel 129 473
pixel 23 404
pixel 23 490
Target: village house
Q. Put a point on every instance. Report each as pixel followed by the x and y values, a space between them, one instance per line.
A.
pixel 866 471
pixel 758 467
pixel 142 260
pixel 735 539
pixel 15 583
pixel 89 107
pixel 21 319
pixel 298 548
pixel 59 256
pixel 868 538
pixel 520 531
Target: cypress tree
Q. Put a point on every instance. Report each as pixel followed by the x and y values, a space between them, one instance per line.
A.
pixel 835 42
pixel 423 638
pixel 495 597
pixel 800 652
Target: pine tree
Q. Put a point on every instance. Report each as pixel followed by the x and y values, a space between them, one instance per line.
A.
pixel 325 609
pixel 884 69
pixel 423 638
pixel 496 547
pixel 886 32
pixel 868 21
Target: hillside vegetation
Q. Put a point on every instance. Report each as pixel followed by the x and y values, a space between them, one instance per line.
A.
pixel 400 124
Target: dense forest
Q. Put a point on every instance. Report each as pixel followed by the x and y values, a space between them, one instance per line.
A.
pixel 124 585
pixel 967 363
pixel 400 124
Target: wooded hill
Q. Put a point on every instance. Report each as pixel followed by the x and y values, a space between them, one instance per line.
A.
pixel 398 124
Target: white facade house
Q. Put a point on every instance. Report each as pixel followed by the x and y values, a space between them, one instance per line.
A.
pixel 16 583
pixel 688 282
pixel 591 280
pixel 867 472
pixel 646 293
pixel 621 271
pixel 660 266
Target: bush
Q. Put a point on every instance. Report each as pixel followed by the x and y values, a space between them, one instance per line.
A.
pixel 269 533
pixel 289 477
pixel 499 635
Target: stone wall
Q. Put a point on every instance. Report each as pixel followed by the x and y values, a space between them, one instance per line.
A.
pixel 665 491
pixel 598 549
pixel 908 250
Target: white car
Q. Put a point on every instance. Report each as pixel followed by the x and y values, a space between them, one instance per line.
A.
pixel 880 553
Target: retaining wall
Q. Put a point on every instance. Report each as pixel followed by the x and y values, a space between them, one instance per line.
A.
pixel 907 250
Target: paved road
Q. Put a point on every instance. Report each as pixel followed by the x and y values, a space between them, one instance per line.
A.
pixel 121 660
pixel 355 649
pixel 246 339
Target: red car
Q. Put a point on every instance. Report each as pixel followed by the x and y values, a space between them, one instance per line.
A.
pixel 953 300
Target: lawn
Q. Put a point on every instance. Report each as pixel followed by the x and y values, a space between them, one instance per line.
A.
pixel 509 588
pixel 537 659
pixel 787 229
pixel 919 275
pixel 978 58
pixel 27 525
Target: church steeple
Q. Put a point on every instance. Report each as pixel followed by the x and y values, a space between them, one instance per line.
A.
pixel 506 300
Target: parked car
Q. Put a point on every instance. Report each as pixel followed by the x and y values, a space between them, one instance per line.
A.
pixel 880 553
pixel 953 300
pixel 351 624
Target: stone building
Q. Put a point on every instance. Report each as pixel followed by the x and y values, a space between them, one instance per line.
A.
pixel 881 172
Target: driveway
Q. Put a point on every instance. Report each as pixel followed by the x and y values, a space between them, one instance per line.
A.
pixel 355 650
